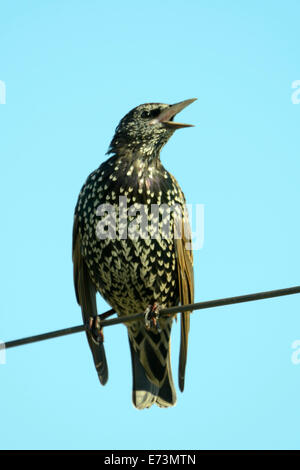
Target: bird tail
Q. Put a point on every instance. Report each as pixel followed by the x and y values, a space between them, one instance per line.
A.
pixel 151 371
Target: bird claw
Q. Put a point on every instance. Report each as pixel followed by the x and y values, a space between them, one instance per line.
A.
pixel 94 326
pixel 151 317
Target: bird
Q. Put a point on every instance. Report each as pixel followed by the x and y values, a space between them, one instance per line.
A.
pixel 124 247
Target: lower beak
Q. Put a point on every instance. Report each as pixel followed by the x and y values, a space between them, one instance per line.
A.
pixel 167 114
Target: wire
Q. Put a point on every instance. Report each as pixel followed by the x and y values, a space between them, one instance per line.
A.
pixel 163 312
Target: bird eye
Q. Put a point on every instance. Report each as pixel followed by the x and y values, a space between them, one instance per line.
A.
pixel 150 114
pixel 155 112
pixel 145 114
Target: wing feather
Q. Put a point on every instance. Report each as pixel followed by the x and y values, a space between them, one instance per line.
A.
pixel 185 269
pixel 86 297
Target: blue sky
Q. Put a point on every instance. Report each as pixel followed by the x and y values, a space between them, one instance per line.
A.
pixel 72 70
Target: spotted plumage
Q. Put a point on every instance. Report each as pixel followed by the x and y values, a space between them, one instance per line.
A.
pixel 124 247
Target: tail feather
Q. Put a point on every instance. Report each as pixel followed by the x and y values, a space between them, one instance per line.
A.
pixel 155 384
pixel 167 395
pixel 144 392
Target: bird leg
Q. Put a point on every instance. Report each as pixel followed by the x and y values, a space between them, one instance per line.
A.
pixel 151 317
pixel 93 325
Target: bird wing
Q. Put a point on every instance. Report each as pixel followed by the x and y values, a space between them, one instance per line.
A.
pixel 86 297
pixel 186 288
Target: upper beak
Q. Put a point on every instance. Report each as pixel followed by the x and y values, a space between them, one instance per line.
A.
pixel 167 114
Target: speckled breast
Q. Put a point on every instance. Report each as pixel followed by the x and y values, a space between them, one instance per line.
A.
pixel 126 213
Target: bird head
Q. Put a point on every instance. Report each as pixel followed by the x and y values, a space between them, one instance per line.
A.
pixel 146 128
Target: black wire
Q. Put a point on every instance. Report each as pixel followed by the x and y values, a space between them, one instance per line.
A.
pixel 163 312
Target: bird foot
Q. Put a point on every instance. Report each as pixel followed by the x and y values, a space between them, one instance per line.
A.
pixel 151 317
pixel 94 326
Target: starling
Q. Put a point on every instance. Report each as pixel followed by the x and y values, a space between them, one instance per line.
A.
pixel 136 264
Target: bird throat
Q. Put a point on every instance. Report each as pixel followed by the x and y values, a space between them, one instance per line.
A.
pixel 135 174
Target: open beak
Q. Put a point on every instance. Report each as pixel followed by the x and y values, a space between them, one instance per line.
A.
pixel 166 115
